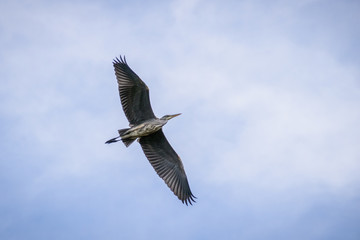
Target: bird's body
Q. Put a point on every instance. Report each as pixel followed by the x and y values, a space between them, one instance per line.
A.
pixel 144 129
pixel 128 135
pixel 147 128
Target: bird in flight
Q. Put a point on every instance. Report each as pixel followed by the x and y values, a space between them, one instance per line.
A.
pixel 147 128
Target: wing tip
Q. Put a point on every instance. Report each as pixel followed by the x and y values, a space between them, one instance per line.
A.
pixel 190 199
pixel 122 60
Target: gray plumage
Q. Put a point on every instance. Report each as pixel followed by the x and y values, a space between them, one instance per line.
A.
pixel 147 128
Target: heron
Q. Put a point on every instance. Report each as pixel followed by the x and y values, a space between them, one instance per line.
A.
pixel 147 129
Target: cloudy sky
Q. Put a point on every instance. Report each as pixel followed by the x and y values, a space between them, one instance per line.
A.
pixel 269 134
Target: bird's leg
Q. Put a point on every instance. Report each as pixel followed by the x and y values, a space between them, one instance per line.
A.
pixel 113 140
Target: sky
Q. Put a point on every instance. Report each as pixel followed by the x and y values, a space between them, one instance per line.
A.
pixel 269 134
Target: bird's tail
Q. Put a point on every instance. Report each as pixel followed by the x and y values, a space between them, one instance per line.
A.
pixel 116 139
pixel 122 131
pixel 126 141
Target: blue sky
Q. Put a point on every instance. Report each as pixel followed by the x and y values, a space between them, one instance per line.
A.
pixel 269 135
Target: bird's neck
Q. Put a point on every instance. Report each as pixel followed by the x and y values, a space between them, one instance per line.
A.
pixel 163 121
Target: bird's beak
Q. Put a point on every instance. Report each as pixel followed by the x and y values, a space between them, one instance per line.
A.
pixel 175 115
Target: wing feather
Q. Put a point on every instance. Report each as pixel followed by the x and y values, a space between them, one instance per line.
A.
pixel 134 94
pixel 167 165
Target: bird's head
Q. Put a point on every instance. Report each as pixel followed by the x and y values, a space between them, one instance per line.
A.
pixel 168 117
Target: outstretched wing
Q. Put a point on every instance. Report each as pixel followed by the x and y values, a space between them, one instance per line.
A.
pixel 134 94
pixel 167 164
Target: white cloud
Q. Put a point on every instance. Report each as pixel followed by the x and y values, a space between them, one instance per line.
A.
pixel 295 122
